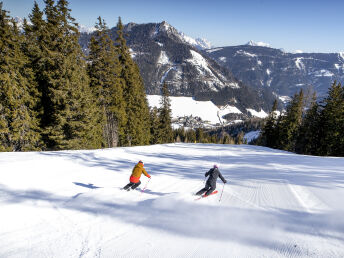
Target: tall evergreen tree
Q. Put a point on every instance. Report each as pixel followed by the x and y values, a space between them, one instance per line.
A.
pixel 166 132
pixel 68 119
pixel 289 123
pixel 155 126
pixel 104 71
pixel 269 133
pixel 200 136
pixel 18 93
pixel 332 122
pixel 33 48
pixel 137 128
pixel 308 135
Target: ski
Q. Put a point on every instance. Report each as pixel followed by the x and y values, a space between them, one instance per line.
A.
pixel 205 196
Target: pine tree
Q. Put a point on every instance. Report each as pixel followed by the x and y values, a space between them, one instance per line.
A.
pixel 104 71
pixel 240 138
pixel 166 132
pixel 179 134
pixel 268 137
pixel 308 136
pixel 19 129
pixel 332 122
pixel 137 128
pixel 68 119
pixel 155 126
pixel 200 137
pixel 33 49
pixel 289 124
pixel 190 136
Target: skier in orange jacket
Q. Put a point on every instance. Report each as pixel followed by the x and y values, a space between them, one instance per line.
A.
pixel 135 176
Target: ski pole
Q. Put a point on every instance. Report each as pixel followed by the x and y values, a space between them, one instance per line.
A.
pixel 222 191
pixel 145 186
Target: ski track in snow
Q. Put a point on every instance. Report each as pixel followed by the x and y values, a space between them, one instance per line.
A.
pixel 70 203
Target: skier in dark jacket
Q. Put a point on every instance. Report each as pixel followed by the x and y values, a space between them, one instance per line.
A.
pixel 210 185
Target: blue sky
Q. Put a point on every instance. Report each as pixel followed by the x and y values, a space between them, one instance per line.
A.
pixel 308 25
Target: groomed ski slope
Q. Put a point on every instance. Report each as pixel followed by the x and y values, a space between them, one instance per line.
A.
pixel 70 203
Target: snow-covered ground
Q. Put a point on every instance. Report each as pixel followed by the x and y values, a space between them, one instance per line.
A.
pixel 70 203
pixel 207 110
pixel 260 114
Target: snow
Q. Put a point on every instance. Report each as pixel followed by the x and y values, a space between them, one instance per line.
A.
pixel 198 42
pixel 20 23
pixel 188 39
pixel 201 64
pixel 214 50
pixel 69 203
pixel 269 82
pixel 163 58
pixel 228 109
pixel 284 99
pixel 132 53
pixel 223 58
pixel 259 62
pixel 299 63
pixel 258 44
pixel 297 51
pixel 166 73
pixel 268 72
pixel 323 73
pixel 250 136
pixel 242 52
pixel 166 26
pixel 186 106
pixel 233 85
pixel 199 61
pixel 85 29
pixel 260 114
pixel 341 54
pixel 159 43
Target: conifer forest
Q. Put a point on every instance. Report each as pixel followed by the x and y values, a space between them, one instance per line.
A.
pixel 54 97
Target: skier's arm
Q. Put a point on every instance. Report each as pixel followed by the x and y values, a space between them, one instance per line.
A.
pixel 145 173
pixel 207 173
pixel 222 178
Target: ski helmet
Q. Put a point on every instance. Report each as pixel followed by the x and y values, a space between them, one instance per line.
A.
pixel 141 162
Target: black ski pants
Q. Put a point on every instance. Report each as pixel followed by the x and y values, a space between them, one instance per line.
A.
pixel 208 189
pixel 132 185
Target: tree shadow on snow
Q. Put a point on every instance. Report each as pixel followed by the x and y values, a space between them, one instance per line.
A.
pixel 238 163
pixel 265 229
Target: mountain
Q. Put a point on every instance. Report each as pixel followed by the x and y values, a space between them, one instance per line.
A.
pixel 70 203
pixel 284 73
pixel 258 44
pixel 165 55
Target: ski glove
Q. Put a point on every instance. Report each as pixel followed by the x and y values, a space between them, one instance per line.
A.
pixel 149 176
pixel 225 182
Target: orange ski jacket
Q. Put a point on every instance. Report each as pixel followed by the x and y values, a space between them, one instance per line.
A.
pixel 137 172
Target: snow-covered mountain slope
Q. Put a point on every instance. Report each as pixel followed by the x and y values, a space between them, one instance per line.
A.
pixel 284 73
pixel 198 42
pixel 187 106
pixel 70 203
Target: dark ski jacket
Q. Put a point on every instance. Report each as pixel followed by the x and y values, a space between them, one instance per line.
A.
pixel 213 174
